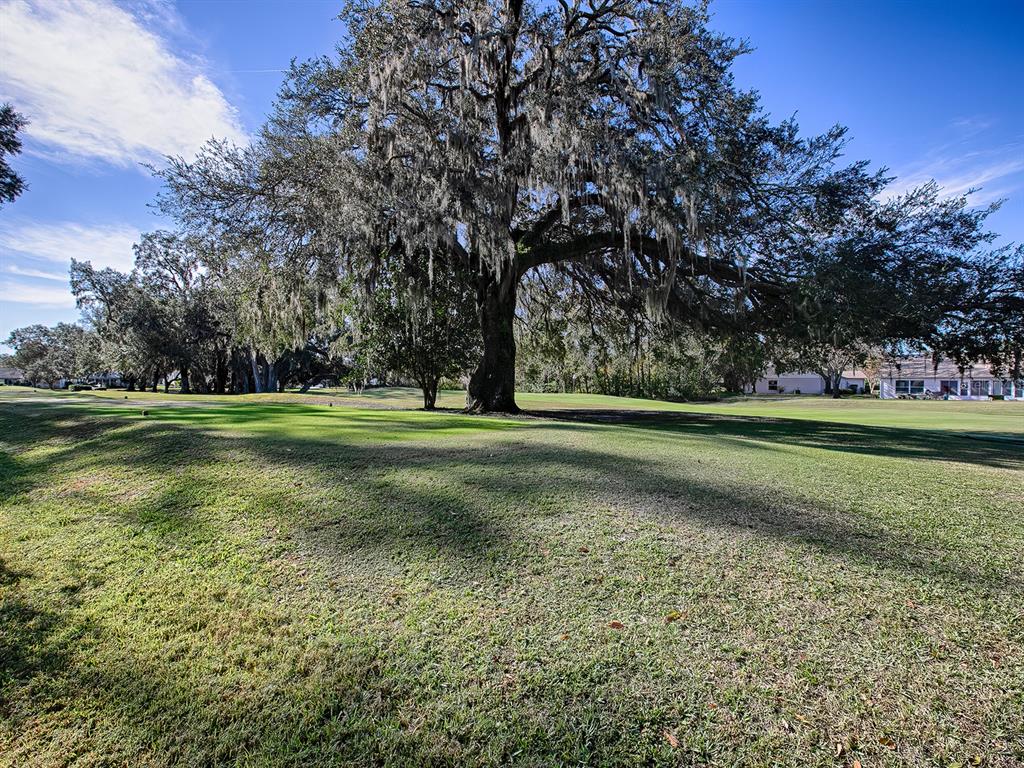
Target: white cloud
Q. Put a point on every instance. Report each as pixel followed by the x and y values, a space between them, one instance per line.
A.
pixel 957 176
pixel 103 245
pixel 971 159
pixel 41 296
pixel 59 277
pixel 43 252
pixel 96 81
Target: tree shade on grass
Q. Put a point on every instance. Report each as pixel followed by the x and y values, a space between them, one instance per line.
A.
pixel 277 584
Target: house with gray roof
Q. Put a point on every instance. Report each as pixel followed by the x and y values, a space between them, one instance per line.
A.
pixel 920 377
pixel 9 376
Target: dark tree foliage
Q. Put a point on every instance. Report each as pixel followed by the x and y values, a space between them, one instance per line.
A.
pixel 175 316
pixel 567 343
pixel 881 275
pixel 11 184
pixel 989 325
pixel 419 323
pixel 129 321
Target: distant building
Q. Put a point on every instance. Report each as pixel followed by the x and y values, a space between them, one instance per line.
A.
pixel 9 376
pixel 107 379
pixel 903 378
pixel 803 383
pixel 920 377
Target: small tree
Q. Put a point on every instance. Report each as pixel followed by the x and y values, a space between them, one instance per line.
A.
pixel 32 346
pixel 420 323
pixel 48 355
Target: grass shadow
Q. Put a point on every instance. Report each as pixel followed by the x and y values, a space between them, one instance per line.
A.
pixel 458 509
pixel 993 449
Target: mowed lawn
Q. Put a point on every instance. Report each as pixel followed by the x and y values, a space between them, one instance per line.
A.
pixel 288 580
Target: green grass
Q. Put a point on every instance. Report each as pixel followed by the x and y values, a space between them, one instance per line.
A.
pixel 271 581
pixel 994 416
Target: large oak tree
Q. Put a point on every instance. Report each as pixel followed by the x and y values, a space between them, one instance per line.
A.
pixel 602 137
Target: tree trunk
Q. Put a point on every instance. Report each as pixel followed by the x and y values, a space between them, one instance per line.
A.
pixel 493 385
pixel 836 381
pixel 186 385
pixel 220 380
pixel 257 378
pixel 429 388
pixel 828 382
pixel 156 381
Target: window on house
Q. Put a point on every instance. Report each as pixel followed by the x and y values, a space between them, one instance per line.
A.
pixel 909 386
pixel 949 387
pixel 773 385
pixel 1012 389
pixel 979 388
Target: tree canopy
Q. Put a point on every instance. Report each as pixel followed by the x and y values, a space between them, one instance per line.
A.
pixel 47 355
pixel 602 142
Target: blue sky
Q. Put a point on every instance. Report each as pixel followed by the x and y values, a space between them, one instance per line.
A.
pixel 929 89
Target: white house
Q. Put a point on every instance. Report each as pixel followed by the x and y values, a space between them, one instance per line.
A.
pixel 918 377
pixel 802 383
pixel 106 379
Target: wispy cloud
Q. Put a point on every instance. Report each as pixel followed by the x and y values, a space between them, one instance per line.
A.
pixel 106 245
pixel 98 81
pixel 33 252
pixel 968 160
pixel 971 125
pixel 40 296
pixel 958 175
pixel 14 269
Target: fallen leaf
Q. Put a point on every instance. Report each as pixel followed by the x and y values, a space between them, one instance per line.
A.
pixel 584 549
pixel 616 624
pixel 885 741
pixel 673 616
pixel 670 738
pixel 565 636
pixel 856 764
